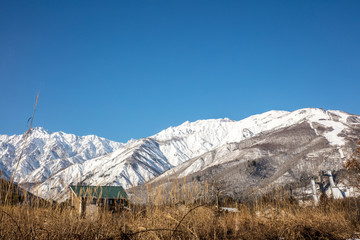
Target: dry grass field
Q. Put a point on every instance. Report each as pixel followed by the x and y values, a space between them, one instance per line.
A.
pixel 180 212
pixel 269 217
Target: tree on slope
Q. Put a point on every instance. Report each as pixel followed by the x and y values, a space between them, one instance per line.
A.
pixel 353 167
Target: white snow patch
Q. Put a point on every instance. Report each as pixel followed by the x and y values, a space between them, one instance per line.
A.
pixel 315 130
pixel 332 136
pixel 341 153
pixel 229 209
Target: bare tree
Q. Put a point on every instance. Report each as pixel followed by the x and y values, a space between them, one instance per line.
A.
pixel 353 167
pixel 218 187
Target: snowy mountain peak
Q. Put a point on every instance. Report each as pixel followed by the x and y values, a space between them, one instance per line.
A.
pixel 46 153
pixel 40 130
pixel 71 159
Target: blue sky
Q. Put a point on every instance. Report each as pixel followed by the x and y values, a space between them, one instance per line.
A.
pixel 128 69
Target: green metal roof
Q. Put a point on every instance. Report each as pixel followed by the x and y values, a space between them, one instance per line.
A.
pixel 99 191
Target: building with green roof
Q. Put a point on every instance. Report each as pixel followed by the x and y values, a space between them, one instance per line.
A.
pixel 90 199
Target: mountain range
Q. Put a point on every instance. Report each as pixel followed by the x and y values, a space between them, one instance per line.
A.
pixel 275 147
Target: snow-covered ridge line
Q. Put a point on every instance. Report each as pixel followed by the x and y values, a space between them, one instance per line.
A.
pixel 46 153
pixel 195 138
pixel 139 161
pixel 93 160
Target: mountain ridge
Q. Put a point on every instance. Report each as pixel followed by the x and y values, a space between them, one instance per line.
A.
pixel 192 139
pixel 103 162
pixel 48 152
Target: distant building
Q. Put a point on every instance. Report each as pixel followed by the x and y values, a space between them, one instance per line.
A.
pixel 88 200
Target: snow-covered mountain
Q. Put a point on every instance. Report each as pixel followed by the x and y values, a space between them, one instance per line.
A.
pixel 336 127
pixel 202 145
pixel 134 163
pixel 46 153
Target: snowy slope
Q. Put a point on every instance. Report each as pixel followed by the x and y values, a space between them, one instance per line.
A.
pixel 46 153
pixel 287 155
pixel 316 141
pixel 189 140
pixel 133 164
pixel 144 159
pixel 334 124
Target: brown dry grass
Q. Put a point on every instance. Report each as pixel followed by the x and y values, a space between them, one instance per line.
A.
pixel 262 219
pixel 173 213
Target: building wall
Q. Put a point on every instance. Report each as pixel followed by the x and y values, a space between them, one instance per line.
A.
pixel 91 211
pixel 86 207
pixel 76 203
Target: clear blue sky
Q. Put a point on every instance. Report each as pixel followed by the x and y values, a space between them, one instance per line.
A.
pixel 128 69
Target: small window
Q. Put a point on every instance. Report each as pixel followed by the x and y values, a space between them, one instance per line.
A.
pixel 110 201
pixel 94 201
